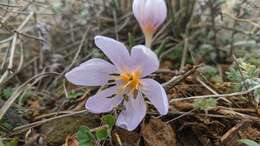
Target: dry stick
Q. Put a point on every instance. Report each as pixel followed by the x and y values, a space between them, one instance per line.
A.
pixel 242 20
pixel 4 59
pixel 53 114
pixel 30 36
pixel 79 49
pixel 21 58
pixel 184 53
pixel 182 115
pixel 13 46
pixel 216 96
pixel 163 29
pixel 233 131
pixel 211 90
pixel 186 42
pixel 10 66
pixel 234 114
pixel 176 79
pixel 10 5
pixel 16 72
pixel 35 124
pixel 115 23
pixel 6 40
pixel 214 29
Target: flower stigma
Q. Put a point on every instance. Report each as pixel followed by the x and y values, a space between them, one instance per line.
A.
pixel 129 83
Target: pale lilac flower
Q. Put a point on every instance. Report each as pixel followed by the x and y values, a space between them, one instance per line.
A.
pixel 125 81
pixel 150 14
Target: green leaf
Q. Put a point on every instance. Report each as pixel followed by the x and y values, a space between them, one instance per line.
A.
pixel 73 94
pixel 115 4
pixel 249 142
pixel 131 40
pixel 85 137
pixel 102 134
pixel 6 93
pixel 110 120
pixel 234 75
pixel 161 47
pixel 205 104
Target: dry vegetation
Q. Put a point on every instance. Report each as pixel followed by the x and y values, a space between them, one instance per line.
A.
pixel 210 59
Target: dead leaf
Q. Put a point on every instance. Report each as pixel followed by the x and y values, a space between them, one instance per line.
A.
pixel 34 104
pixel 250 133
pixel 158 133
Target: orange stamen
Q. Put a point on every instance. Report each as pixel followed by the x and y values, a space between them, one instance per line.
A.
pixel 131 82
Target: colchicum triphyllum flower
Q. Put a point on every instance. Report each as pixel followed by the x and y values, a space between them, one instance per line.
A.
pixel 125 81
pixel 150 14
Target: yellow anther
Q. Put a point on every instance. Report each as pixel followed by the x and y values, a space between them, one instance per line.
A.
pixel 131 81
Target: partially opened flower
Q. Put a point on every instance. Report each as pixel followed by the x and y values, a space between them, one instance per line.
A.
pixel 150 14
pixel 125 81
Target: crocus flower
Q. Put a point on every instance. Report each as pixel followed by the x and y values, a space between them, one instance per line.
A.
pixel 150 14
pixel 125 81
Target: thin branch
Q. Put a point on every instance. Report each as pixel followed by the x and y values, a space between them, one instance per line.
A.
pixel 176 79
pixel 217 96
pixel 35 124
pixel 211 90
pixel 13 46
pixel 242 20
pixel 10 5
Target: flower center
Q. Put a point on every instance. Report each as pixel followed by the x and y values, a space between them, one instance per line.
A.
pixel 129 83
pixel 131 79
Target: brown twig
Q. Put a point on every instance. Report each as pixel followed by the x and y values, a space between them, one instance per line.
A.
pixel 217 96
pixel 177 79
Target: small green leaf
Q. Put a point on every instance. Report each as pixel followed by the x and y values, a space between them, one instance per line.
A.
pixel 85 137
pixel 131 40
pixel 110 120
pixel 161 47
pixel 102 134
pixel 73 94
pixel 6 93
pixel 115 4
pixel 249 142
pixel 205 104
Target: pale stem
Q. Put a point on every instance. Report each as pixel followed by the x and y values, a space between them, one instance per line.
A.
pixel 148 39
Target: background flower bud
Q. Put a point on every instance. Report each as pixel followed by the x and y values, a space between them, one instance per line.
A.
pixel 150 14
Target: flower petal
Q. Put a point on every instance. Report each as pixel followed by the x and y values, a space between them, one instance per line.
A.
pixel 155 12
pixel 150 12
pixel 102 102
pixel 133 114
pixel 156 94
pixel 93 72
pixel 144 59
pixel 138 10
pixel 114 50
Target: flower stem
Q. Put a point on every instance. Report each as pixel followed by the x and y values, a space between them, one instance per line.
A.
pixel 148 39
